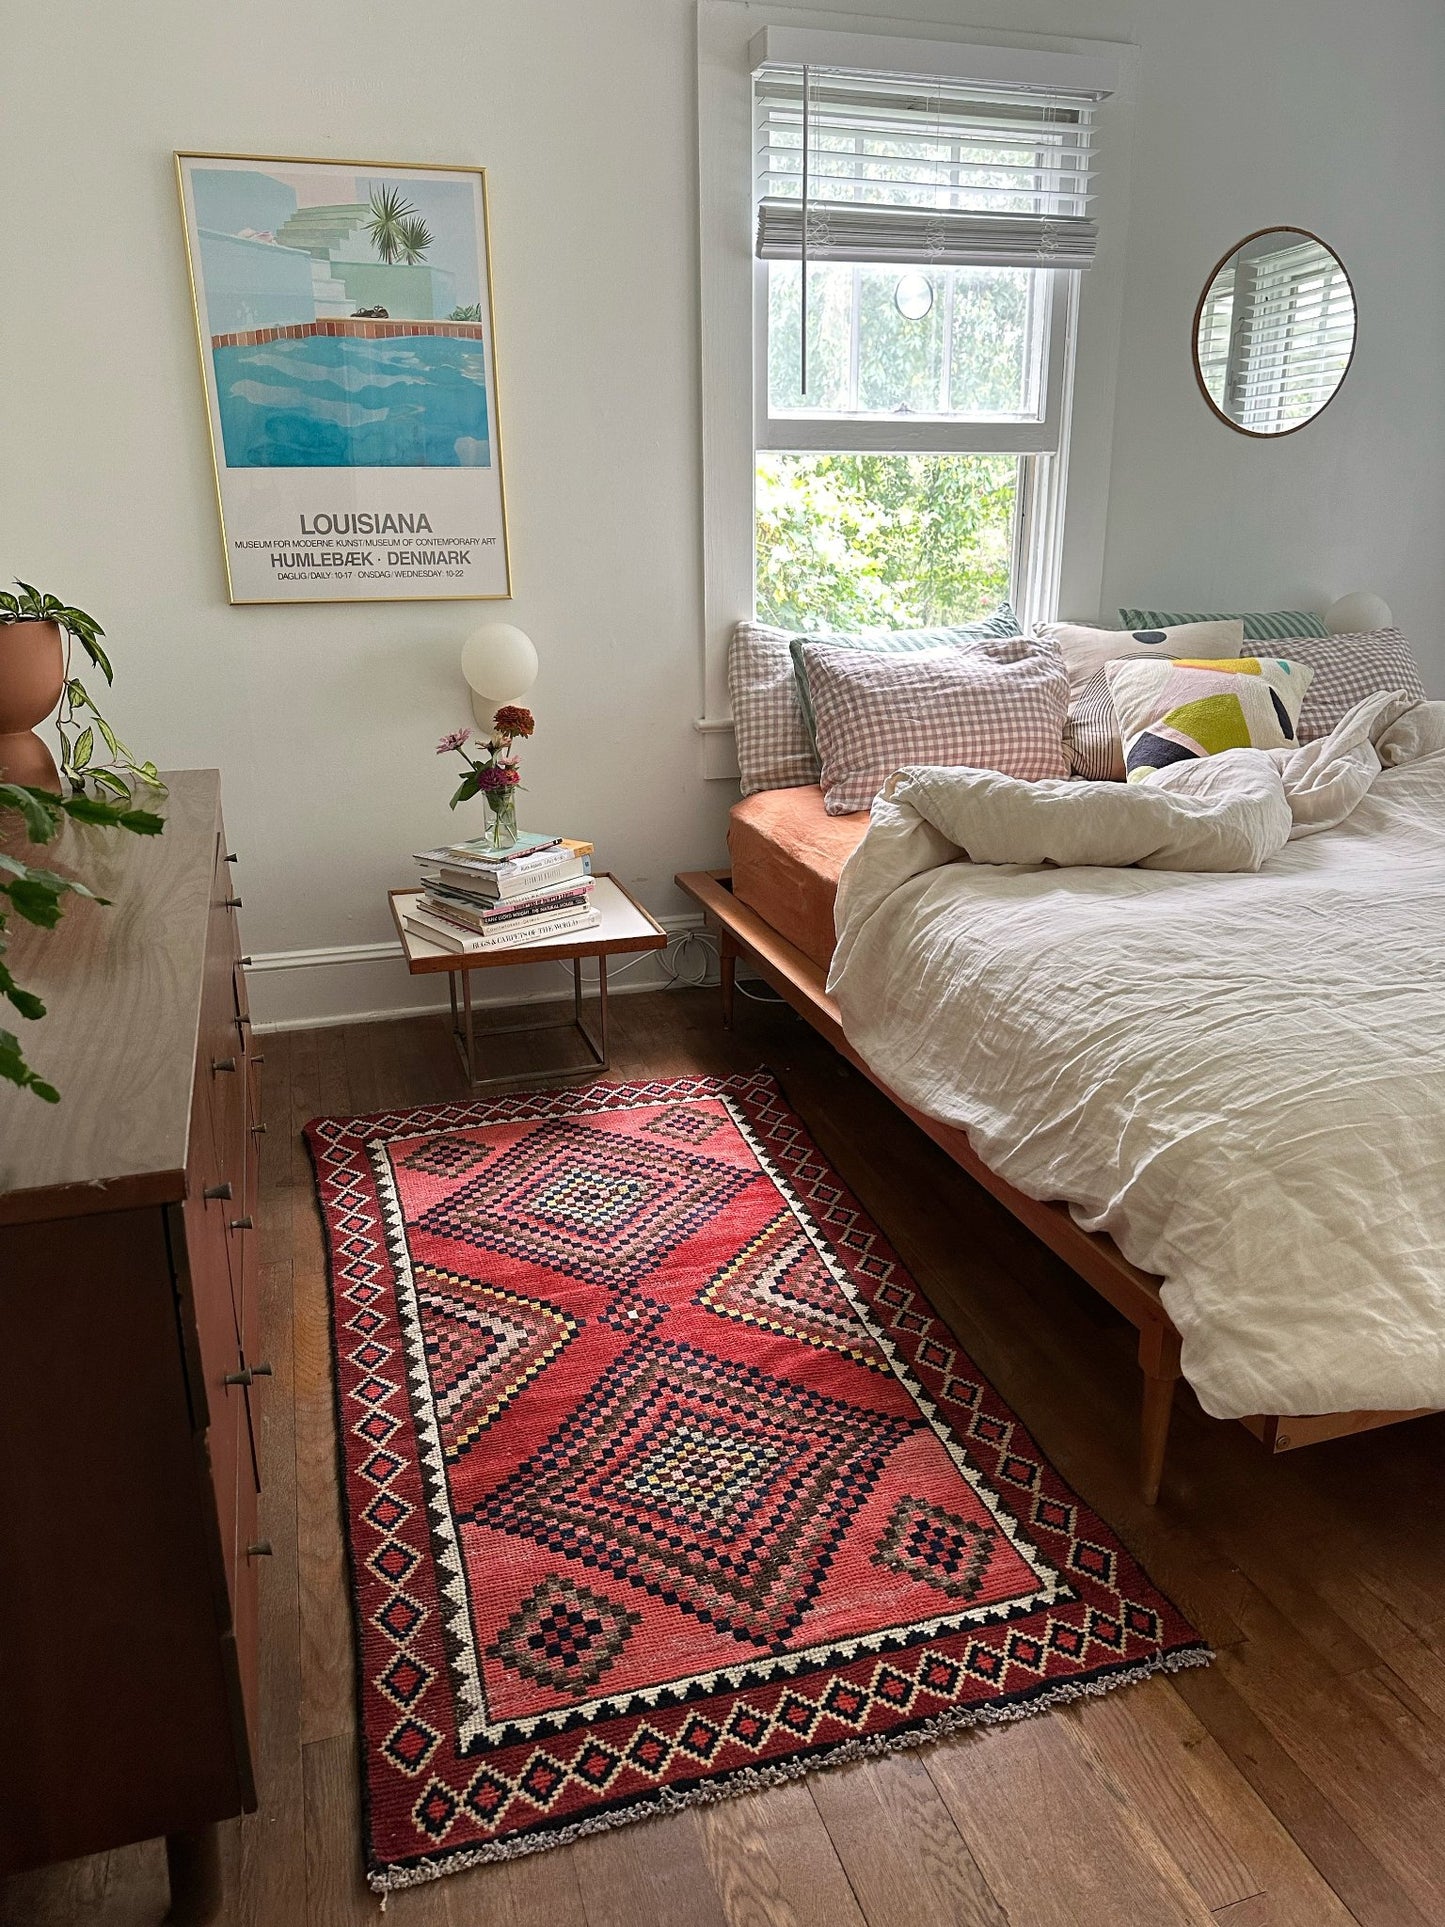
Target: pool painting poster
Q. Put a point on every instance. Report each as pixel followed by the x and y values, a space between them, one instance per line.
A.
pixel 344 315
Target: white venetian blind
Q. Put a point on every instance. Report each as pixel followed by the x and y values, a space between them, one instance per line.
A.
pixel 934 170
pixel 1294 330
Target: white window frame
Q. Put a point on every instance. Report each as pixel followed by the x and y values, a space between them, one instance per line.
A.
pixel 1059 523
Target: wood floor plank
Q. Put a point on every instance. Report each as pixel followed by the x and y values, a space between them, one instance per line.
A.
pixel 905 1859
pixel 335 1890
pixel 1226 1841
pixel 1056 1844
pixel 539 1890
pixel 773 1864
pixel 1365 1884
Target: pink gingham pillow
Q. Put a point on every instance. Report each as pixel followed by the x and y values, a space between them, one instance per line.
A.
pixel 947 707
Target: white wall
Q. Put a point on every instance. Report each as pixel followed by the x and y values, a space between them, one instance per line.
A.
pixel 323 720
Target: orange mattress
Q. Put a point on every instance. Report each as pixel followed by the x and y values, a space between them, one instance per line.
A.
pixel 787 855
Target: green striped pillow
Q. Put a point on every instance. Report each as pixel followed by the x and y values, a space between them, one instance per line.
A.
pixel 1269 625
pixel 1001 624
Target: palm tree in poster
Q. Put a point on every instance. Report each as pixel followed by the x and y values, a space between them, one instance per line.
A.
pixel 416 238
pixel 391 214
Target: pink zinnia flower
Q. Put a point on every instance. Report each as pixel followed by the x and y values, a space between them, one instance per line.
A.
pixel 454 740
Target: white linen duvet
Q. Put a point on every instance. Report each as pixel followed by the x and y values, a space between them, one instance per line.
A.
pixel 1208 1012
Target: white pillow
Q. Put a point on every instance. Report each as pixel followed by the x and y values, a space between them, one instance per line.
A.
pixel 1085 650
pixel 1091 735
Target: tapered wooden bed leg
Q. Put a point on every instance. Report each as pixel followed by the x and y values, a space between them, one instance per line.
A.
pixel 1159 1362
pixel 727 959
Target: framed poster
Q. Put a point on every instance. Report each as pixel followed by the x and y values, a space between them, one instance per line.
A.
pixel 344 318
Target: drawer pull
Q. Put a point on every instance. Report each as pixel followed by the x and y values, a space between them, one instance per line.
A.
pixel 231 857
pixel 259 1549
pixel 259 1130
pixel 243 1224
pixel 244 962
pixel 258 1057
pixel 242 1021
pixel 222 1064
pixel 232 903
pixel 214 1191
pixel 246 1374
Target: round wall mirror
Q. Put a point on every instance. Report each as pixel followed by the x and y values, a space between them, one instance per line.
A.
pixel 1274 332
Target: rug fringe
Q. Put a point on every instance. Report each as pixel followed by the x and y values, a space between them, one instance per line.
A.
pixel 753 1779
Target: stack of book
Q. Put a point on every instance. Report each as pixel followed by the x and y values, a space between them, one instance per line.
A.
pixel 475 898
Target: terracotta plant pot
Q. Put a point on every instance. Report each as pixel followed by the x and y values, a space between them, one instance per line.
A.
pixel 32 675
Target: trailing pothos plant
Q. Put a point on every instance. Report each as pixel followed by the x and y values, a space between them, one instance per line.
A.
pixel 37 896
pixel 78 721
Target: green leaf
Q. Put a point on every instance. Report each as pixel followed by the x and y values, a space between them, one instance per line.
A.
pixel 15 1070
pixel 39 808
pixel 108 779
pixel 466 789
pixel 92 809
pixel 142 822
pixel 35 899
pixel 25 1001
pixel 111 742
pixel 9 604
pixel 83 747
pixel 97 655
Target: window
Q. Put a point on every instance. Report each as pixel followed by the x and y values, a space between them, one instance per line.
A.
pixel 1292 329
pixel 917 242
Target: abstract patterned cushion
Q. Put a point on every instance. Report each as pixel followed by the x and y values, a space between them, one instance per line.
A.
pixel 950 707
pixel 1177 712
pixel 1260 625
pixel 775 751
pixel 1003 623
pixel 1092 733
pixel 1349 668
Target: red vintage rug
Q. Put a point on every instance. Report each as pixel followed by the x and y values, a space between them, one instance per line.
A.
pixel 662 1480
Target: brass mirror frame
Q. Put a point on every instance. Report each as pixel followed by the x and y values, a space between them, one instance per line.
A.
pixel 1278 434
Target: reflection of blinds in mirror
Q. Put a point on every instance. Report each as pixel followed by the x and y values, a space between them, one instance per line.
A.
pixel 1293 332
pixel 936 171
pixel 1215 322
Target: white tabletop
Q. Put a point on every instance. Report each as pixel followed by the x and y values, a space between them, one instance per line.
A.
pixel 625 925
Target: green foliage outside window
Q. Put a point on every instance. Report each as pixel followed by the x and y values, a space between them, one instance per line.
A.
pixel 892 541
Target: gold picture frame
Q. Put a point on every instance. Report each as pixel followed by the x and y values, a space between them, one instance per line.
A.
pixel 356 452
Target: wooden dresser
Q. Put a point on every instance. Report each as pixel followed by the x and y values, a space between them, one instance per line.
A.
pixel 130 1544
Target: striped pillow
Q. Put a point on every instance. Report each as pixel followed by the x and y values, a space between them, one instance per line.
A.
pixel 1092 733
pixel 1261 625
pixel 775 751
pixel 1349 668
pixel 1000 625
pixel 944 707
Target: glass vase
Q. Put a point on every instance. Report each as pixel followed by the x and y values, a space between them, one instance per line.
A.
pixel 502 820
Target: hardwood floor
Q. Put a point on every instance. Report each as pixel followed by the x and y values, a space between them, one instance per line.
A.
pixel 1299 1782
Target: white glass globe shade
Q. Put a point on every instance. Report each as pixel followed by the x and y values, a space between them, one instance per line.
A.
pixel 1357 615
pixel 499 663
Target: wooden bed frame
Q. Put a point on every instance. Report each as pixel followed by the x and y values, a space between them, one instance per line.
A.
pixel 741 932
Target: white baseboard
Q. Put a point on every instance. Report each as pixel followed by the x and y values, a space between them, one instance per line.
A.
pixel 359 983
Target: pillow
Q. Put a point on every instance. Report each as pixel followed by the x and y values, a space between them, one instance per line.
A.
pixel 775 751
pixel 1349 668
pixel 1001 624
pixel 878 713
pixel 1177 712
pixel 1260 625
pixel 1091 735
pixel 1085 650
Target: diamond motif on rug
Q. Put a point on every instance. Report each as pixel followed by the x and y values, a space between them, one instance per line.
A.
pixel 590 1203
pixel 565 1635
pixel 660 1473
pixel 483 1344
pixel 445 1157
pixel 716 1488
pixel 928 1543
pixel 778 1282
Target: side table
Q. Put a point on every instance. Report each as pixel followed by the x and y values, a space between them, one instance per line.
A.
pixel 625 927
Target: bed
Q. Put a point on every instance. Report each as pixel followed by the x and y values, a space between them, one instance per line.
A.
pixel 975 993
